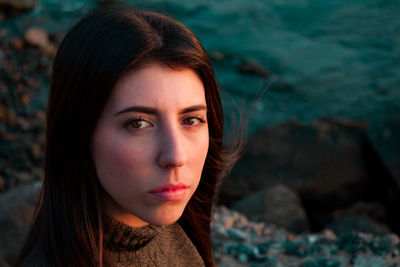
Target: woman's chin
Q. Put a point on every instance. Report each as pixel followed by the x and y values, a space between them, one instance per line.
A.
pixel 165 217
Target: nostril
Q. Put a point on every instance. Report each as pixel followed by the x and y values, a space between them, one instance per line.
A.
pixel 172 155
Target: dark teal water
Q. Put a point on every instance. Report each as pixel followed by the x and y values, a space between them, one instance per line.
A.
pixel 337 58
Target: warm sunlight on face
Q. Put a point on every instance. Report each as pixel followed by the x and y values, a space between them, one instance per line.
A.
pixel 150 144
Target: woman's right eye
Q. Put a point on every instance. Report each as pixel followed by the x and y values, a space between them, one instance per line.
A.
pixel 137 124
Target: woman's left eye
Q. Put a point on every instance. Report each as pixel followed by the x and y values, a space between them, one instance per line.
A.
pixel 193 121
pixel 137 123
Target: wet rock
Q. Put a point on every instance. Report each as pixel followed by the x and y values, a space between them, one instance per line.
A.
pixel 248 67
pixel 217 56
pixel 276 205
pixel 16 211
pixel 14 6
pixel 282 86
pixel 358 223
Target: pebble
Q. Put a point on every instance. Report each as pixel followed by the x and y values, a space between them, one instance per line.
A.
pixel 36 151
pixel 17 43
pixel 32 82
pixel 25 178
pixel 240 246
pixel 37 37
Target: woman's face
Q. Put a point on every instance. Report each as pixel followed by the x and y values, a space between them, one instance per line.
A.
pixel 150 144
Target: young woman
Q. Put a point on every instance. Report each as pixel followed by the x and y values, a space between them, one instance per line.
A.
pixel 134 146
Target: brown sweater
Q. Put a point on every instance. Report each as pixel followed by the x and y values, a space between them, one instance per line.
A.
pixel 151 245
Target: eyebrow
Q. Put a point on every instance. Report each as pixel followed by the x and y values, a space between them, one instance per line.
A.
pixel 154 111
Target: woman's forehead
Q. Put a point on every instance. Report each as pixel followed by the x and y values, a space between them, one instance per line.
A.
pixel 158 86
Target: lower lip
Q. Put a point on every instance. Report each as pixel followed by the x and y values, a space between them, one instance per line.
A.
pixel 170 195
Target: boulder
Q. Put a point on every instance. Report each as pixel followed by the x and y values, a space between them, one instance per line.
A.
pixel 387 143
pixel 358 223
pixel 322 162
pixel 276 205
pixel 330 164
pixel 16 210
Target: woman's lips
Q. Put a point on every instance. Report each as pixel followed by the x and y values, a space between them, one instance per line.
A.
pixel 170 192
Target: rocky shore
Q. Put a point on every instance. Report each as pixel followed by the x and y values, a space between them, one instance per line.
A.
pixel 322 194
pixel 240 242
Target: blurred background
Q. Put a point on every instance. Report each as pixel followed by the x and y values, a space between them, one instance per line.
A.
pixel 316 82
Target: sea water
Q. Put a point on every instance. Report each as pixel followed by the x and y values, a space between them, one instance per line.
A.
pixel 326 58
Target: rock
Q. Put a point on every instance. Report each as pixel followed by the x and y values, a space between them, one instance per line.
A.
pixel 13 6
pixel 321 162
pixel 277 205
pixel 36 36
pixel 25 99
pixel 387 143
pixel 3 263
pixel 374 210
pixel 17 43
pixel 7 115
pixel 16 210
pixel 330 235
pixel 329 164
pixel 36 151
pixel 229 261
pixel 217 56
pixel 276 247
pixel 282 86
pixel 2 184
pixel 32 82
pixel 248 67
pixel 358 223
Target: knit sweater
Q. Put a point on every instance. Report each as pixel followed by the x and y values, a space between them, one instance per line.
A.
pixel 151 245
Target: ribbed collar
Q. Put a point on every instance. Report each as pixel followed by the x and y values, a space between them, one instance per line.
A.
pixel 121 237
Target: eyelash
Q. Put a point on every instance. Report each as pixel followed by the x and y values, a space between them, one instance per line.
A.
pixel 201 120
pixel 128 123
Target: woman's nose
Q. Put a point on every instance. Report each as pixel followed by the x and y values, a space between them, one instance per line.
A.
pixel 172 150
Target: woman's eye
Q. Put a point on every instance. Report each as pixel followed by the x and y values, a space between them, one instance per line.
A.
pixel 193 121
pixel 138 124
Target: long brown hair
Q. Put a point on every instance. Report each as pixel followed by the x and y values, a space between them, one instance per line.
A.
pixel 97 51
